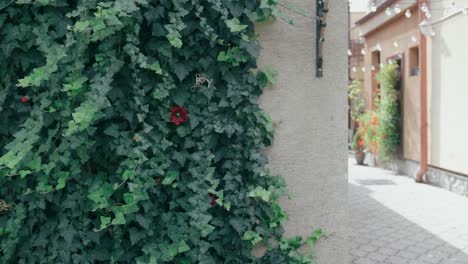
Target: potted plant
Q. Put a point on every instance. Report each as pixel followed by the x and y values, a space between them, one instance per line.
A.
pixel 358 147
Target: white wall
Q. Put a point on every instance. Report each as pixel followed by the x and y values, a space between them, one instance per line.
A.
pixel 310 148
pixel 448 100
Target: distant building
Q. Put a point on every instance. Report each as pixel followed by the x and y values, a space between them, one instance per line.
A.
pixel 356 44
pixel 394 32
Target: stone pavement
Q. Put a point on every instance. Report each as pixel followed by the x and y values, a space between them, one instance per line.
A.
pixel 395 220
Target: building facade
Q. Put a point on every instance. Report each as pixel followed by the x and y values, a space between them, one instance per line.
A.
pixel 393 33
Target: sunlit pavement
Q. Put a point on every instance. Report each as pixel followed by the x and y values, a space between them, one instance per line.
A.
pixel 395 220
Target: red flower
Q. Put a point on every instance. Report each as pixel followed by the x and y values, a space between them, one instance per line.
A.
pixel 178 115
pixel 24 99
pixel 361 143
pixel 213 199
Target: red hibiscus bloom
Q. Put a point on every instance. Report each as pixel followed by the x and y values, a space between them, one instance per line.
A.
pixel 213 199
pixel 178 115
pixel 24 99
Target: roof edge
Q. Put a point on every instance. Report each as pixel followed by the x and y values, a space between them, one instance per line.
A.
pixel 372 14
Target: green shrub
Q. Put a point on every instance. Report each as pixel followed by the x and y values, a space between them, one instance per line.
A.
pixel 388 112
pixel 356 100
pixel 131 134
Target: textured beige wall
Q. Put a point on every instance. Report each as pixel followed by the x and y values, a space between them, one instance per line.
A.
pixel 310 148
pixel 449 91
pixel 400 30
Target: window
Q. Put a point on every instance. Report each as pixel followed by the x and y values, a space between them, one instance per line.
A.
pixel 414 61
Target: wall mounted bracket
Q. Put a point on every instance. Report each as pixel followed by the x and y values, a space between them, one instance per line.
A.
pixel 322 11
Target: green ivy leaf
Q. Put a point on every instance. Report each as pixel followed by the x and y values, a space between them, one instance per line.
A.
pixel 234 25
pixel 170 177
pixel 119 219
pixel 260 192
pixel 251 236
pixel 105 221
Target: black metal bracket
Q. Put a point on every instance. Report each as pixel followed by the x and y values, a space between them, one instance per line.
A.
pixel 322 11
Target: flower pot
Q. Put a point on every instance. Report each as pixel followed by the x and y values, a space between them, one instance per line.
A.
pixel 360 156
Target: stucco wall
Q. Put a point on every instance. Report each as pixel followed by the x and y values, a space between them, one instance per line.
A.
pixel 449 92
pixel 310 148
pixel 405 32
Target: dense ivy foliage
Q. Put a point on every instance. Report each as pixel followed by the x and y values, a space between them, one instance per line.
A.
pixel 131 134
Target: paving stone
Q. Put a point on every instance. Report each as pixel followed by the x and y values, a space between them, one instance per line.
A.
pixel 396 221
pixel 388 251
pixel 359 253
pixel 363 261
pixel 377 256
pixel 396 260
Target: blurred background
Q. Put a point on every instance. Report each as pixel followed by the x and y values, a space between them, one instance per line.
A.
pixel 426 42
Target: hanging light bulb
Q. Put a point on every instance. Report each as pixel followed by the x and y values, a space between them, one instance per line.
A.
pixel 408 13
pixel 372 68
pixel 363 69
pixel 363 52
pixel 382 65
pixel 433 33
pixel 354 69
pixel 397 9
pixel 414 39
pixel 428 14
pixel 350 53
pixel 424 8
pixel 378 47
pixel 373 8
pixel 388 11
pixel 395 44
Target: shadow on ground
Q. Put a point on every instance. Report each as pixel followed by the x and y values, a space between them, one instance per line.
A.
pixel 380 235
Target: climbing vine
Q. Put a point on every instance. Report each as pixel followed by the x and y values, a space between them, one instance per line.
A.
pixel 131 134
pixel 388 111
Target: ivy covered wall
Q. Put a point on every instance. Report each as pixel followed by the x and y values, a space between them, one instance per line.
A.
pixel 131 133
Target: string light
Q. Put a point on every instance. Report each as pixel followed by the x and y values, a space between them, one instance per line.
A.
pixel 373 67
pixel 378 47
pixel 414 39
pixel 350 53
pixel 408 13
pixel 388 11
pixel 424 8
pixel 363 52
pixel 397 9
pixel 363 69
pixel 373 8
pixel 354 69
pixel 395 44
